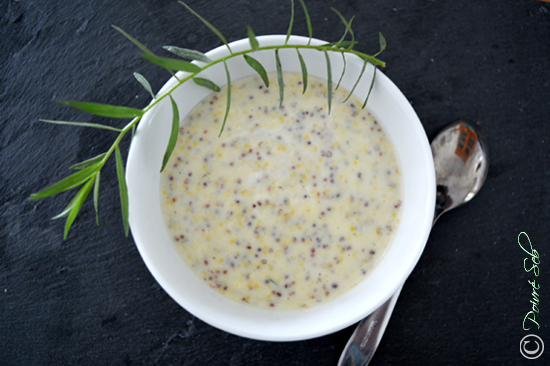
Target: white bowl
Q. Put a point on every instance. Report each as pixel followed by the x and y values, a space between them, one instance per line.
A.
pixel 159 253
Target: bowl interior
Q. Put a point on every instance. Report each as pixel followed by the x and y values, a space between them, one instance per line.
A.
pixel 401 124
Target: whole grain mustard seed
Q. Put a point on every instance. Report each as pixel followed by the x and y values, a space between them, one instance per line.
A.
pixel 291 206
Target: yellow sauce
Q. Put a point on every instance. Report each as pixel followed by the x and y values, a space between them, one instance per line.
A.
pixel 291 206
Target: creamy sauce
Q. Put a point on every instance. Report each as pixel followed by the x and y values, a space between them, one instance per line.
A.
pixel 291 206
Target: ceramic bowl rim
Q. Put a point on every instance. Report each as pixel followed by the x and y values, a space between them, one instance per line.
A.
pixel 282 326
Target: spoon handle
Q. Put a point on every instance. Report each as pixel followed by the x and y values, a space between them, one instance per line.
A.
pixel 367 335
pixel 364 341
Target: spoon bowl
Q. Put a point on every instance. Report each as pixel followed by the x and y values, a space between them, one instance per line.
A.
pixel 461 164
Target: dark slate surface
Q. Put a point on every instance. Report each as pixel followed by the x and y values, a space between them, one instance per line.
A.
pixel 89 300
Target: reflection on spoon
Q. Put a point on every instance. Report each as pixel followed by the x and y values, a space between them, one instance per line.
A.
pixel 461 163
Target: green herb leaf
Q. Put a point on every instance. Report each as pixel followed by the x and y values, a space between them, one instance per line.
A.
pixel 308 21
pixel 382 41
pixel 207 84
pixel 357 81
pixel 370 88
pixel 172 64
pixel 252 39
pixel 82 124
pixel 188 54
pixel 133 40
pixel 289 32
pixel 329 81
pixel 96 197
pixel 212 28
pixel 348 25
pixel 87 163
pixel 104 110
pixel 304 71
pixel 343 71
pixel 141 79
pixel 67 209
pixel 348 28
pixel 228 105
pixel 123 190
pixel 78 201
pixel 257 66
pixel 173 134
pixel 280 77
pixel 72 181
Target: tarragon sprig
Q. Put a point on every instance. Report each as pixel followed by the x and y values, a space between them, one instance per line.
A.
pixel 87 175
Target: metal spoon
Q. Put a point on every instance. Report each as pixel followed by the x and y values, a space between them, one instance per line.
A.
pixel 461 165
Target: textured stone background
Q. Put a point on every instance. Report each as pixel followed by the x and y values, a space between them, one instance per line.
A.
pixel 89 300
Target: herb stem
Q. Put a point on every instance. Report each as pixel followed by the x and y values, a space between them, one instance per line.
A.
pixel 88 174
pixel 135 120
pixel 121 134
pixel 371 59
